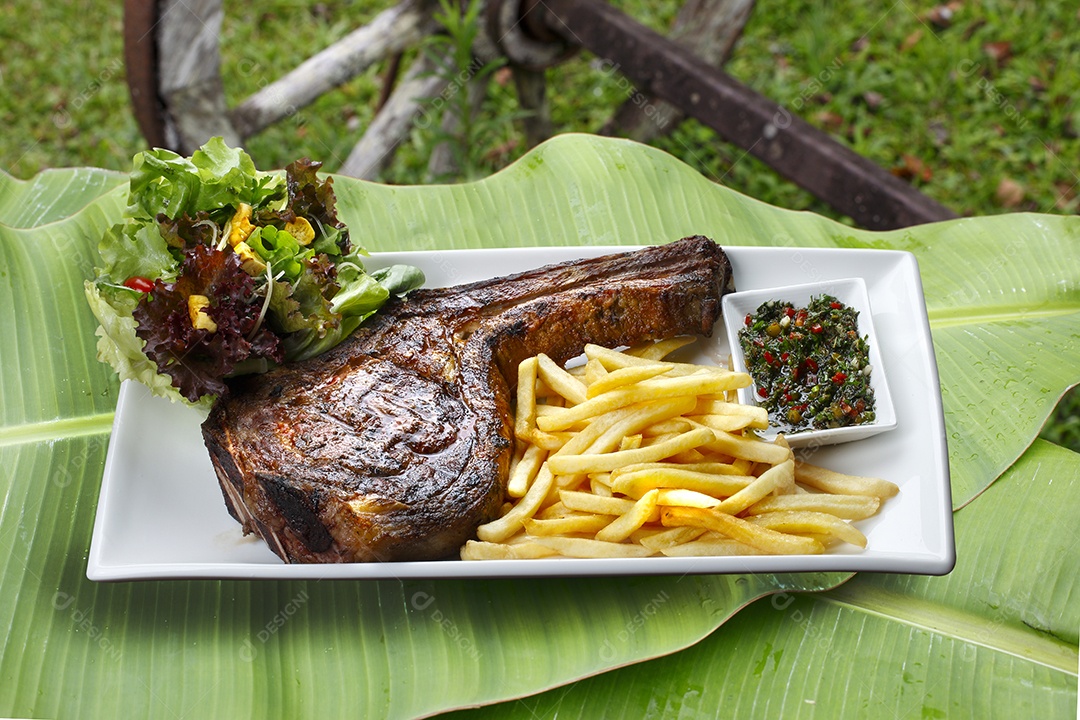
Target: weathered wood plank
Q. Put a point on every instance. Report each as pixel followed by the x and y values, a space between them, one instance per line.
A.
pixel 189 74
pixel 375 150
pixel 443 165
pixel 810 158
pixel 390 32
pixel 707 28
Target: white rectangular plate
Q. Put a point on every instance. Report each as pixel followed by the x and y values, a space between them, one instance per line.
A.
pixel 161 514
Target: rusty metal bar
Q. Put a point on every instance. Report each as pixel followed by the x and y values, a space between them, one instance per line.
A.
pixel 810 158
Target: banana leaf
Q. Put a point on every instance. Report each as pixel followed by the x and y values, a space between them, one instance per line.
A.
pixel 1004 299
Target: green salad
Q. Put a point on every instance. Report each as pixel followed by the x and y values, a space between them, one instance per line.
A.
pixel 219 270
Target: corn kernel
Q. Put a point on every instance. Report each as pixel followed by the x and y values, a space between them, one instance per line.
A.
pixel 239 226
pixel 250 261
pixel 199 319
pixel 301 230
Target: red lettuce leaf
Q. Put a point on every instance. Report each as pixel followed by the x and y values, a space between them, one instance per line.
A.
pixel 310 198
pixel 198 360
pixel 186 231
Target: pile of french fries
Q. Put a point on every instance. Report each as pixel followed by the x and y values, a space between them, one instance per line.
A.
pixel 630 455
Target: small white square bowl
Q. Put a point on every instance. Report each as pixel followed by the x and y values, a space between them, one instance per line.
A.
pixel 851 292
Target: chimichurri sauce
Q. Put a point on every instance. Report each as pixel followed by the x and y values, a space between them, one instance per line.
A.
pixel 810 365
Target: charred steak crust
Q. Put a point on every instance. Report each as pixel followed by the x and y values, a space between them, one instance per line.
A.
pixel 395 445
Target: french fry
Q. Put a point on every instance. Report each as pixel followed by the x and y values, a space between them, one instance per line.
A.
pixel 476 550
pixel 567 525
pixel 711 543
pixel 625 376
pixel 741 530
pixel 660 539
pixel 588 503
pixel 689 456
pixel 598 486
pixel 644 415
pixel 594 372
pixel 567 464
pixel 620 528
pixel 579 371
pixel 666 427
pixel 748 448
pixel 833 482
pixel 727 423
pixel 810 522
pixel 548 441
pixel 742 466
pixel 606 431
pixel 657 439
pixel 662 387
pixel 568 482
pixel 511 522
pixel 776 477
pixel 846 507
pixel 525 414
pixel 586 548
pixel 525 470
pixel 560 381
pixel 555 510
pixel 685 498
pixel 614 360
pixel 636 480
pixel 551 398
pixel 714 406
pixel 708 468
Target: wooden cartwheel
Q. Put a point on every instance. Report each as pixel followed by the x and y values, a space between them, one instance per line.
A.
pixel 173 64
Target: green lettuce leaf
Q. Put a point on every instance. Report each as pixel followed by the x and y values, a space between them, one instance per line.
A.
pixel 216 176
pixel 120 346
pixel 128 250
pixel 398 279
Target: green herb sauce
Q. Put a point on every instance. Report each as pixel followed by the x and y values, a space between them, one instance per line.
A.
pixel 810 366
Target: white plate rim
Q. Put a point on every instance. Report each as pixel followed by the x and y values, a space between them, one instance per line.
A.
pixel 932 504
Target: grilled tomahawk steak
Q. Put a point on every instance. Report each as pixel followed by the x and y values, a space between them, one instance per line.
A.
pixel 395 445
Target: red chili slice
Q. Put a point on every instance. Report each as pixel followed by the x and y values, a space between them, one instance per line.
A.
pixel 763 392
pixel 836 305
pixel 139 284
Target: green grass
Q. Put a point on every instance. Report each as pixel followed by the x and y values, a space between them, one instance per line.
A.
pixel 879 76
